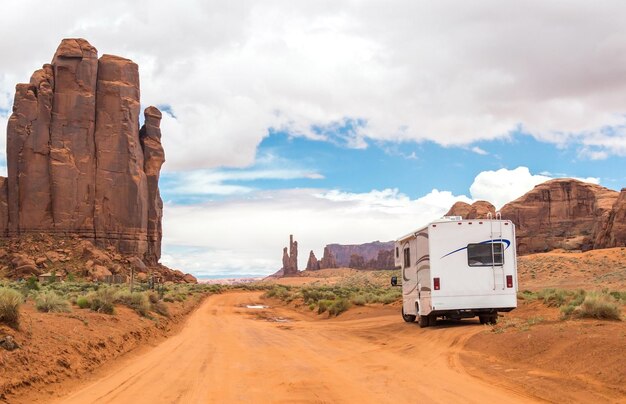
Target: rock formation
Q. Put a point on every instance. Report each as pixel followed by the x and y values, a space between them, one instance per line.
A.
pixel 312 264
pixel 613 234
pixel 78 164
pixel 562 213
pixel 477 210
pixel 328 259
pixel 290 258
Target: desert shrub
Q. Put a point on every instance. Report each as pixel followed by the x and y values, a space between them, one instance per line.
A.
pixel 160 308
pixel 32 283
pixel 279 292
pixel 50 302
pixel 10 301
pixel 338 306
pixel 137 301
pixel 527 295
pixel 389 297
pixel 323 305
pixel 552 297
pixel 359 300
pixel 619 295
pixel 153 297
pixel 598 305
pixel 169 299
pixel 103 300
pixel 82 302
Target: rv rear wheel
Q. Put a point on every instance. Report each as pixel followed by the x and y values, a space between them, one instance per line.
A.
pixel 488 319
pixel 409 318
pixel 424 321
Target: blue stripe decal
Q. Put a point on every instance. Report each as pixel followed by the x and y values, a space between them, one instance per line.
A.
pixel 498 240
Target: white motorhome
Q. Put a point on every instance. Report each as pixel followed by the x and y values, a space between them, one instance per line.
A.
pixel 456 268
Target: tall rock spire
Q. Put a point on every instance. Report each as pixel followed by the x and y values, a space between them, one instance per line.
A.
pixel 77 164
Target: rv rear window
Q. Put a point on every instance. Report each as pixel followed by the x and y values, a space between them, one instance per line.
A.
pixel 407 257
pixel 480 255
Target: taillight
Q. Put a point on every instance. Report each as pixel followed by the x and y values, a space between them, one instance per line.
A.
pixel 436 283
pixel 509 281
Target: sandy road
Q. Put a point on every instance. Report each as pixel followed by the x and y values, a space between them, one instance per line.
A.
pixel 228 353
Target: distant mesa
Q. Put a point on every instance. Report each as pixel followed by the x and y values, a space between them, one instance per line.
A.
pixel 78 163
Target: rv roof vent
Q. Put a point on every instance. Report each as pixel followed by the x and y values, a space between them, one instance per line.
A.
pixel 453 218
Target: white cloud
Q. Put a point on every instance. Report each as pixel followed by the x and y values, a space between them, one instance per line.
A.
pixel 445 71
pixel 504 185
pixel 247 235
pixel 478 150
pixel 219 181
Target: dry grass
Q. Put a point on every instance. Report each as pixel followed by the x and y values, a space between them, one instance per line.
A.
pixel 10 301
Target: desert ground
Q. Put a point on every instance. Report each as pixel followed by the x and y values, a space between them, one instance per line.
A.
pixel 279 351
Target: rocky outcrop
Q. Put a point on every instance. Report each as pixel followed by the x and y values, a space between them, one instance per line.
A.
pixel 35 254
pixel 312 264
pixel 328 259
pixel 613 233
pixel 560 213
pixel 154 157
pixel 290 258
pixel 477 210
pixel 78 164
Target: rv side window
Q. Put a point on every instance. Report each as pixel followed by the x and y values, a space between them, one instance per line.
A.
pixel 397 252
pixel 480 255
pixel 407 257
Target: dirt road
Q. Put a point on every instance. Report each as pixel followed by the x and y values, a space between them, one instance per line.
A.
pixel 230 353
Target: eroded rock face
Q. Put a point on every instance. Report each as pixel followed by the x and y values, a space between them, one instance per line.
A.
pixel 154 157
pixel 477 210
pixel 562 213
pixel 328 259
pixel 614 232
pixel 312 264
pixel 78 164
pixel 290 259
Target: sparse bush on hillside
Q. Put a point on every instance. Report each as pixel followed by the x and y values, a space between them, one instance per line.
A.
pixel 598 305
pixel 160 308
pixel 137 301
pixel 103 301
pixel 10 301
pixel 339 306
pixel 82 302
pixel 32 283
pixel 50 302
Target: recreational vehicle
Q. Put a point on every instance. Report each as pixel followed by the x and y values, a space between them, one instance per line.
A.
pixel 455 268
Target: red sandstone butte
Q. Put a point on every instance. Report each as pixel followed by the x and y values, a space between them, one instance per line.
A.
pixel 78 163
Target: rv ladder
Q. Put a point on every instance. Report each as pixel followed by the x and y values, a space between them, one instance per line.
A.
pixel 493 253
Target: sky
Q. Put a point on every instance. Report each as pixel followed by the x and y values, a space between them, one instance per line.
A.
pixel 346 121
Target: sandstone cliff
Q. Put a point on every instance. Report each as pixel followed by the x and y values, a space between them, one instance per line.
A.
pixel 78 163
pixel 328 259
pixel 561 213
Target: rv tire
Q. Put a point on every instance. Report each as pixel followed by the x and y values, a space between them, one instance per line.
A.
pixel 409 318
pixel 492 319
pixel 424 321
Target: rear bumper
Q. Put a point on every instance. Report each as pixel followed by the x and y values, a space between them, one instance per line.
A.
pixel 475 303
